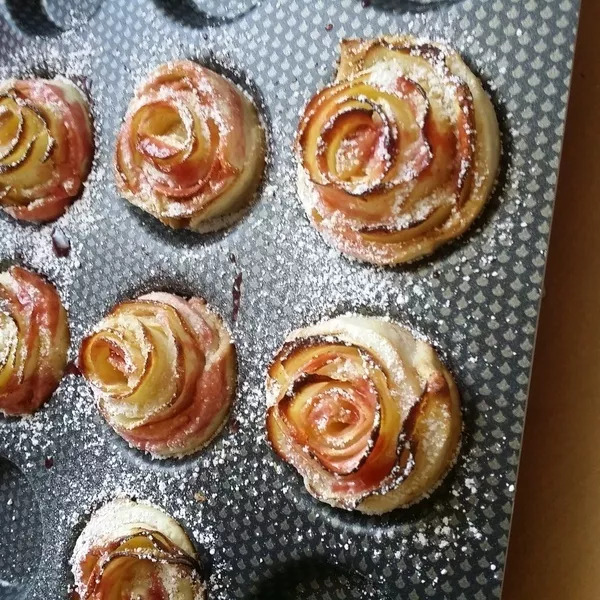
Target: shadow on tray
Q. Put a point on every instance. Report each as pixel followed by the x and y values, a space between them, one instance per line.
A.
pixel 310 579
pixel 206 13
pixel 406 5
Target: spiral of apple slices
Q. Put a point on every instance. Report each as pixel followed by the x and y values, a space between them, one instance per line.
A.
pixel 191 151
pixel 135 550
pixel 364 411
pixel 400 153
pixel 46 147
pixel 164 371
pixel 34 341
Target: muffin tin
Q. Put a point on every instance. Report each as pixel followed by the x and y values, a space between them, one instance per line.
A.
pixel 259 533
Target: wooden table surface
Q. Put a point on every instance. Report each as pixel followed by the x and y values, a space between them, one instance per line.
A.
pixel 554 548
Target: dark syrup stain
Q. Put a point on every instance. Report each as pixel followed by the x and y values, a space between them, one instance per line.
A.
pixel 236 291
pixel 49 462
pixel 236 294
pixel 72 369
pixel 60 243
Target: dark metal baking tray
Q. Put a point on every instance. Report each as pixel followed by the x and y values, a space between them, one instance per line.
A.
pixel 258 531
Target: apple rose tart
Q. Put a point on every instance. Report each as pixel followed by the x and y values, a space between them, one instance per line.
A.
pixel 46 147
pixel 400 153
pixel 164 372
pixel 364 411
pixel 135 550
pixel 34 341
pixel 191 151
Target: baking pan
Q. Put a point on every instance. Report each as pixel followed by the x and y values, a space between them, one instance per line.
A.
pixel 259 533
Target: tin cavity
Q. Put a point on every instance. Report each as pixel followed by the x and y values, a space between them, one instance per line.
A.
pixel 48 18
pixel 21 530
pixel 205 13
pixel 309 579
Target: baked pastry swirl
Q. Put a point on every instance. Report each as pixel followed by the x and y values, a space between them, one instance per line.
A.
pixel 364 411
pixel 191 150
pixel 400 153
pixel 34 341
pixel 135 550
pixel 164 371
pixel 46 147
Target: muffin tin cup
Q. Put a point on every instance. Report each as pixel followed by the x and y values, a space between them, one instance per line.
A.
pixel 258 531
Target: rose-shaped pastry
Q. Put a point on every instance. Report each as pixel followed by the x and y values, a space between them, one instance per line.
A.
pixel 400 153
pixel 191 151
pixel 46 147
pixel 164 372
pixel 365 412
pixel 135 550
pixel 34 340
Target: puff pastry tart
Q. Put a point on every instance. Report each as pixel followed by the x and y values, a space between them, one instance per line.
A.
pixel 135 550
pixel 191 151
pixel 164 371
pixel 34 341
pixel 400 153
pixel 46 147
pixel 364 411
